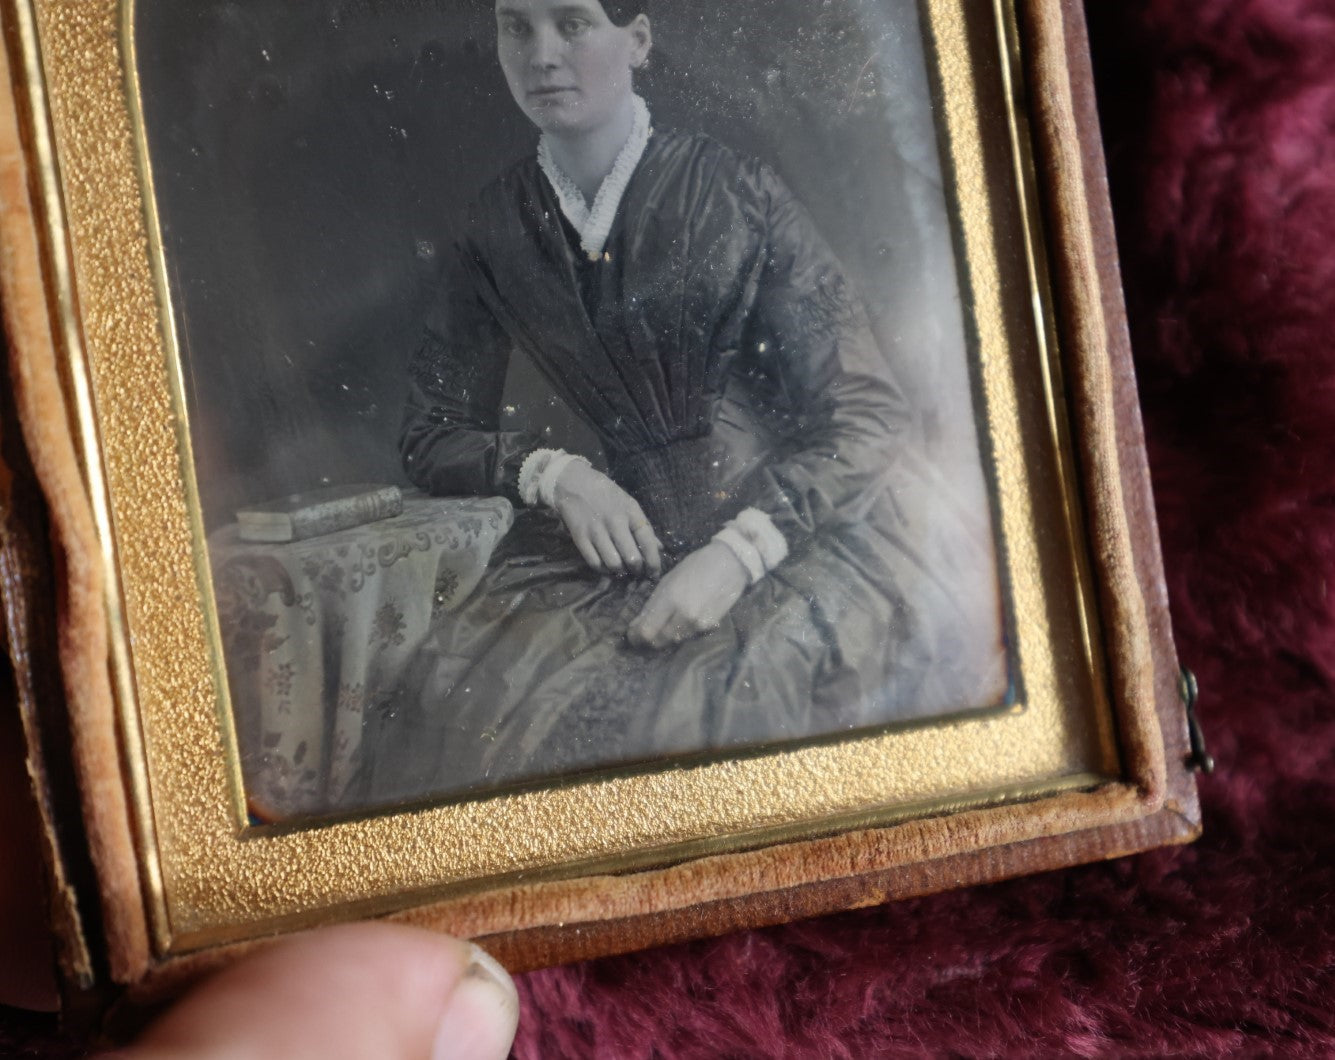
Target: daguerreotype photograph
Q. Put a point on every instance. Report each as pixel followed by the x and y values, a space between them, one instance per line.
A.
pixel 572 386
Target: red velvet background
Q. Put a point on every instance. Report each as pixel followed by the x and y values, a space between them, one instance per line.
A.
pixel 1219 122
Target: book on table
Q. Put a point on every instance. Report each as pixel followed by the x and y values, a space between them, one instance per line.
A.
pixel 313 513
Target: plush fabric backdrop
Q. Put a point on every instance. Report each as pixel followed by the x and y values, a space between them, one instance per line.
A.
pixel 1220 126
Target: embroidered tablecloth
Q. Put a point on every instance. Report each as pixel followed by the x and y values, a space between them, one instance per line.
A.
pixel 316 634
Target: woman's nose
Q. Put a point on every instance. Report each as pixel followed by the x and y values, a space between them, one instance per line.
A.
pixel 546 48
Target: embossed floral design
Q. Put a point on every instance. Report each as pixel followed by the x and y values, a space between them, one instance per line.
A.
pixel 351 698
pixel 388 626
pixel 447 584
pixel 247 637
pixel 325 573
pixel 471 526
pixel 279 680
pixel 280 783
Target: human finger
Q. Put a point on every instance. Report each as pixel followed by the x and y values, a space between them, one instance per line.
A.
pixel 644 631
pixel 677 628
pixel 649 546
pixel 602 541
pixel 626 544
pixel 688 622
pixel 353 991
pixel 586 549
pixel 674 627
pixel 662 636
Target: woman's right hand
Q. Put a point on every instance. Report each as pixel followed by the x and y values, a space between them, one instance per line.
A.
pixel 606 523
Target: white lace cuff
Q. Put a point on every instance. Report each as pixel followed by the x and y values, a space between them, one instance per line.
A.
pixel 756 542
pixel 745 552
pixel 539 472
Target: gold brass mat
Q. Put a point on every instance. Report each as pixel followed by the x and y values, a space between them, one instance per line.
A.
pixel 207 881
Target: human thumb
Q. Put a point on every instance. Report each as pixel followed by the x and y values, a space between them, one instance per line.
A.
pixel 356 991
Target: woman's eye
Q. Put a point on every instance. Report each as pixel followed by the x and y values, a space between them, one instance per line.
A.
pixel 572 27
pixel 514 27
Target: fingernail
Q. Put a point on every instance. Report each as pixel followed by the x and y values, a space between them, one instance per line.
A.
pixel 481 1014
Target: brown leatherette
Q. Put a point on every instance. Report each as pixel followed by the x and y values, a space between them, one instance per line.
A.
pixel 80 660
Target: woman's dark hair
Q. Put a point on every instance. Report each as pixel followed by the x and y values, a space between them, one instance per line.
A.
pixel 622 12
pixel 619 12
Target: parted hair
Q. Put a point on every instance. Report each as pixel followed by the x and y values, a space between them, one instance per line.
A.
pixel 619 12
pixel 622 11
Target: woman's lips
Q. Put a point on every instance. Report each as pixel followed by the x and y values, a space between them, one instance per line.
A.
pixel 551 92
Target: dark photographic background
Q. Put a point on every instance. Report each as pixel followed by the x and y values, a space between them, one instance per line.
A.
pixel 310 157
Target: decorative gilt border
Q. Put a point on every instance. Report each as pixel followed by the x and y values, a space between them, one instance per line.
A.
pixel 531 863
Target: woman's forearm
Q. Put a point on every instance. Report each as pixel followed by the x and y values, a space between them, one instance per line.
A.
pixel 445 453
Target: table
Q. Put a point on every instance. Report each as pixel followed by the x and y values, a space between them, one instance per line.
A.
pixel 316 635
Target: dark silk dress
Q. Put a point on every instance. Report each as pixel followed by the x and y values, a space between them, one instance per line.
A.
pixel 724 362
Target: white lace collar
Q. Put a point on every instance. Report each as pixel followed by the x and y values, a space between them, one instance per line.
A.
pixel 594 223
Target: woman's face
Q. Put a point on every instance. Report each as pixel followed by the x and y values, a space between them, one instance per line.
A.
pixel 567 65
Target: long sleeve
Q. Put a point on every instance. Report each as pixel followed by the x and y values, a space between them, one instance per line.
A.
pixel 814 344
pixel 450 441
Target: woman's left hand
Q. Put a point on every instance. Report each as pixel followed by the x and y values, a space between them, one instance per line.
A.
pixel 691 599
